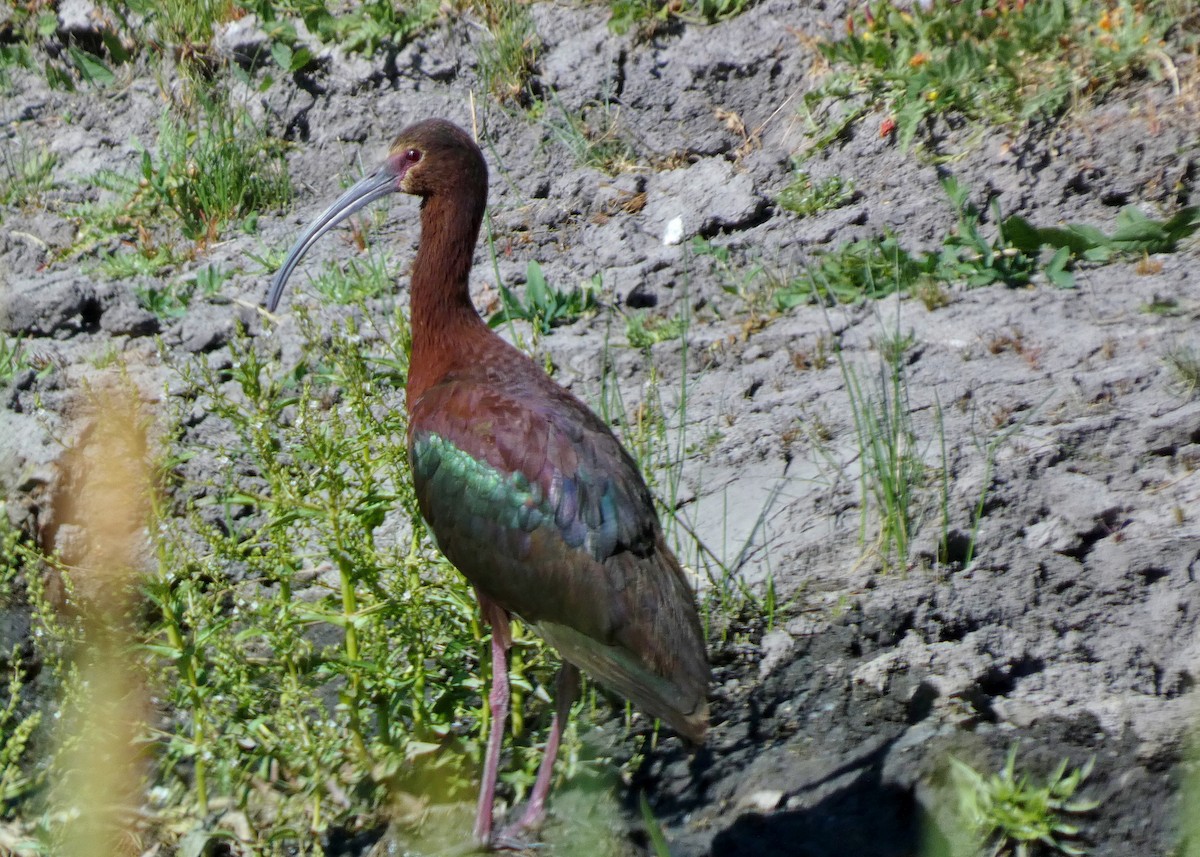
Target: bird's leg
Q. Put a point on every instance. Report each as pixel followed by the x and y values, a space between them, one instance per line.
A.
pixel 566 691
pixel 495 616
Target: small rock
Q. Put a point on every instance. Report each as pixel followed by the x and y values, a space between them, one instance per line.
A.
pixel 776 646
pixel 763 800
pixel 126 318
pixel 707 197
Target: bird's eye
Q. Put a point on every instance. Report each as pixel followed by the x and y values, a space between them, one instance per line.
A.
pixel 412 155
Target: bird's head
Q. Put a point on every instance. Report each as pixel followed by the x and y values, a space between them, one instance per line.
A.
pixel 433 158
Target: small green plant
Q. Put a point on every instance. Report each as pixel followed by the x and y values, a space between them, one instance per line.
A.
pixel 545 307
pixel 805 197
pixel 508 59
pixel 356 280
pixel 1011 815
pixel 876 267
pixel 748 281
pixel 643 330
pixel 867 268
pixel 13 359
pixel 648 17
pixel 892 473
pixel 26 172
pixel 1135 234
pixel 1002 63
pixel 593 137
pixel 172 299
pixel 204 174
pixel 1184 363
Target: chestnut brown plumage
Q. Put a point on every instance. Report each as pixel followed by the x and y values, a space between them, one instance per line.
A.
pixel 527 491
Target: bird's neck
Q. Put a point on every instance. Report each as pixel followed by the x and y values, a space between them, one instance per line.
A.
pixel 445 324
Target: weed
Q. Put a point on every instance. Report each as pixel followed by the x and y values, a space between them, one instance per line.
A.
pixel 891 469
pixel 172 299
pixel 545 307
pixel 1015 815
pixel 1165 306
pixel 1001 63
pixel 644 331
pixel 20 774
pixel 876 267
pixel 356 281
pixel 201 178
pixel 649 17
pixel 1184 363
pixel 508 59
pixel 593 137
pixel 13 359
pixel 26 172
pixel 804 197
pixel 748 281
pixel 867 268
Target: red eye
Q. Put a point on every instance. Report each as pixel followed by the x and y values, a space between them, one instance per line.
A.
pixel 412 156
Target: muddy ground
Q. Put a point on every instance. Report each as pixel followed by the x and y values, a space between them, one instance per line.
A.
pixel 1073 630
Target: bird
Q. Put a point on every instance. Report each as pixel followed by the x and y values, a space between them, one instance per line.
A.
pixel 525 490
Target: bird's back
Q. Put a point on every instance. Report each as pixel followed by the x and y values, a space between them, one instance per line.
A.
pixel 534 500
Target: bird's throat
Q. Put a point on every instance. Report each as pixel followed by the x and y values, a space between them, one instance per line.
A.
pixel 445 325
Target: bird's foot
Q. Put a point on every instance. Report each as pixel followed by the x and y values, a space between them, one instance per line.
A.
pixel 515 838
pixel 522 834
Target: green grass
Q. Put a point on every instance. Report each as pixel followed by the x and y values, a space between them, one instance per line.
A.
pixel 508 58
pixel 644 331
pixel 207 172
pixel 805 197
pixel 26 172
pixel 172 298
pixel 1183 361
pixel 544 306
pixel 1008 813
pixel 594 137
pixel 892 473
pixel 983 61
pixel 650 17
pixel 356 280
pixel 13 359
pixel 1014 254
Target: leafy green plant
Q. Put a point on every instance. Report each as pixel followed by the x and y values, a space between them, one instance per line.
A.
pixel 1012 815
pixel 356 280
pixel 648 17
pixel 26 171
pixel 593 137
pixel 1184 363
pixel 172 299
pixel 13 358
pixel 1002 63
pixel 1018 250
pixel 545 307
pixel 892 473
pixel 866 268
pixel 643 330
pixel 204 174
pixel 967 255
pixel 507 60
pixel 804 197
pixel 1135 234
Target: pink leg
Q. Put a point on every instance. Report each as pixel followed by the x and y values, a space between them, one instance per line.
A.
pixel 495 616
pixel 567 691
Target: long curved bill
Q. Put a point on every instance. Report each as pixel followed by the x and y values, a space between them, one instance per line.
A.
pixel 380 183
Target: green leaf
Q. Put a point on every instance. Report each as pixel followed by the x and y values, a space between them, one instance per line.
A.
pixel 282 54
pixel 91 68
pixel 1056 269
